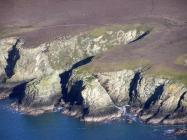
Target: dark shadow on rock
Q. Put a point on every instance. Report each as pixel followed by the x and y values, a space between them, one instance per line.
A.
pixel 13 56
pixel 74 96
pixel 140 37
pixel 64 80
pixel 133 88
pixel 67 74
pixel 179 107
pixel 153 98
pixel 85 111
pixel 18 92
pixel 74 101
pixel 82 62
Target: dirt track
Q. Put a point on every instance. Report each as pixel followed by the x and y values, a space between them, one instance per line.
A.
pixel 52 18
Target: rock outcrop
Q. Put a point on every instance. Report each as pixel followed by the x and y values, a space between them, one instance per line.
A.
pixel 42 93
pixel 96 102
pixel 153 100
pixel 60 54
pixel 6 46
pixel 40 77
pixel 41 66
pixel 9 55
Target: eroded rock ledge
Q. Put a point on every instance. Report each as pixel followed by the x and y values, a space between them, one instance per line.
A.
pixel 45 77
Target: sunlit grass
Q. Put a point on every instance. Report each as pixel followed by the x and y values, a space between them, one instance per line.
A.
pixel 14 30
pixel 170 74
pixel 181 59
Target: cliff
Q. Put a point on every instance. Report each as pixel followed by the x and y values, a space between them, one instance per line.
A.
pixel 153 100
pixel 50 76
pixel 39 68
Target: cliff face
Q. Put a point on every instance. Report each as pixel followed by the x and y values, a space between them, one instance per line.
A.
pixel 59 55
pixel 49 73
pixel 164 103
pixel 153 100
pixel 9 55
pixel 6 57
pixel 40 67
pixel 43 91
pixel 97 103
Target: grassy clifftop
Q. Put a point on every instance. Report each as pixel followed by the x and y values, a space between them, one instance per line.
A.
pixel 161 53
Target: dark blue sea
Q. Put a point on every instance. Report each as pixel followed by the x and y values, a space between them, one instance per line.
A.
pixel 55 126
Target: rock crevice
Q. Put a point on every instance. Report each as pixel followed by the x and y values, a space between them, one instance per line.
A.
pixel 13 56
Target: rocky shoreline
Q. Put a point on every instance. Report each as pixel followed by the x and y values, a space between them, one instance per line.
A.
pixel 51 77
pixel 32 111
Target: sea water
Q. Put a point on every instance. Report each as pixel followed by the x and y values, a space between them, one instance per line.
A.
pixel 55 126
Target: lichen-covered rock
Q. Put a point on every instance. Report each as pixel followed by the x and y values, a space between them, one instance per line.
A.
pixel 9 54
pixel 117 84
pixel 95 98
pixel 60 54
pixel 104 93
pixel 157 100
pixel 146 87
pixel 161 100
pixel 44 91
pixel 171 96
pixel 33 63
pixel 170 109
pixel 91 96
pixel 154 100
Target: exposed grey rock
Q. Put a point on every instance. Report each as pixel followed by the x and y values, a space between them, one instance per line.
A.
pixel 42 92
pixel 6 46
pixel 96 100
pixel 159 100
pixel 90 96
pixel 60 55
pixel 117 85
pixel 9 55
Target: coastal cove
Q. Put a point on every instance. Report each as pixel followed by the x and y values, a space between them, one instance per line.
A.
pixel 56 126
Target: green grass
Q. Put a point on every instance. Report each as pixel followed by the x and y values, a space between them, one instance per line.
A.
pixel 181 59
pixel 170 74
pixel 89 79
pixel 165 73
pixel 14 30
pixel 104 67
pixel 96 32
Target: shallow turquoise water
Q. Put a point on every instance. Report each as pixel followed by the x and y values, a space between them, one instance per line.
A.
pixel 55 126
